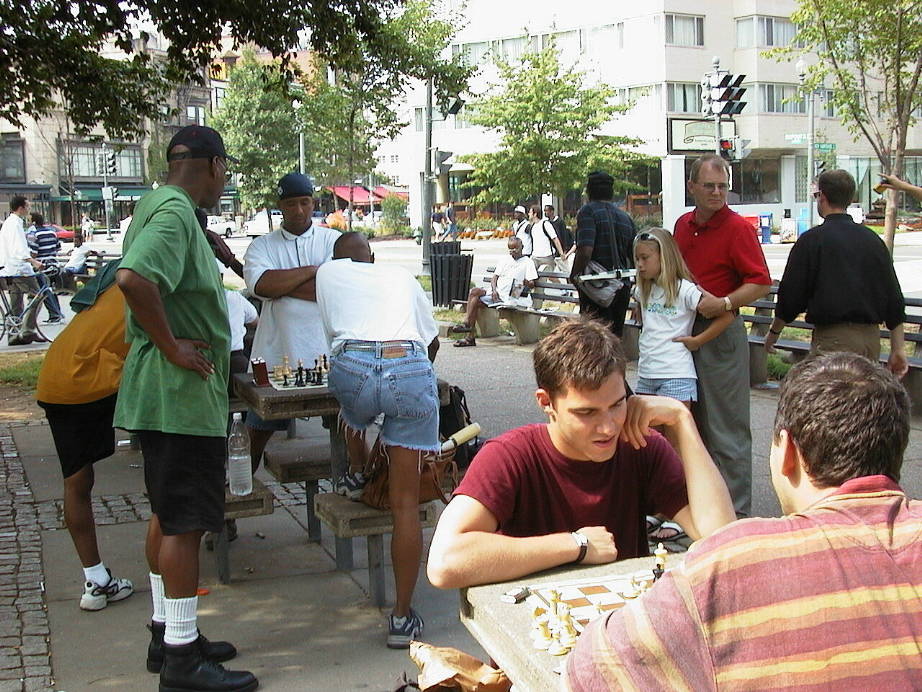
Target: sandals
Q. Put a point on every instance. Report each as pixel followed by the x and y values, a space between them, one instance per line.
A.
pixel 667 531
pixel 469 341
pixel 458 329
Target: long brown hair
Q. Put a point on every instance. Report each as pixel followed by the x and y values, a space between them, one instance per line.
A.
pixel 672 267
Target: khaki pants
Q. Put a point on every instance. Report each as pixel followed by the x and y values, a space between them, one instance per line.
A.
pixel 863 339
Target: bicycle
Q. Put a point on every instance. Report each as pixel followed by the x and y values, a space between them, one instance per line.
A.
pixel 12 322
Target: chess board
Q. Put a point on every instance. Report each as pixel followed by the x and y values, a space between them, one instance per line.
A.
pixel 278 382
pixel 586 597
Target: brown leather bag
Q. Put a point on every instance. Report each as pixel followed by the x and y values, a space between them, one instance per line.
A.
pixel 437 480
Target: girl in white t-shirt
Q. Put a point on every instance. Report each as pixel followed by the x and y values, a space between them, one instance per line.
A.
pixel 668 298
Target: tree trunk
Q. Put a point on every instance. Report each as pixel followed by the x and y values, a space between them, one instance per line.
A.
pixel 891 208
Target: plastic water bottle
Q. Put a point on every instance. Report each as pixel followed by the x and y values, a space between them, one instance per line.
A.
pixel 239 470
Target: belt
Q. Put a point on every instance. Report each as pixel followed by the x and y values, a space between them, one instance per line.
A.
pixel 383 349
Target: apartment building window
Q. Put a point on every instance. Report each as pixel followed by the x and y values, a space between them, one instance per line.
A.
pixel 128 163
pixel 620 31
pixel 512 49
pixel 472 53
pixel 780 98
pixel 195 114
pixel 825 107
pixel 764 32
pixel 12 160
pixel 684 30
pixel 219 94
pixel 683 97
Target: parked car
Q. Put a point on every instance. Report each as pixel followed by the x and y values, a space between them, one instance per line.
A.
pixel 63 233
pixel 259 224
pixel 222 226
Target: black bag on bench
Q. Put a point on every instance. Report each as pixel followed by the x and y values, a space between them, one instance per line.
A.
pixel 452 417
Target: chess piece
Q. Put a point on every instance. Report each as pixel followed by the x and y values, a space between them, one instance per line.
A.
pixel 659 561
pixel 284 380
pixel 543 638
pixel 286 367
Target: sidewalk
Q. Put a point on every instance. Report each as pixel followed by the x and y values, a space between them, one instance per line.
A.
pixel 298 623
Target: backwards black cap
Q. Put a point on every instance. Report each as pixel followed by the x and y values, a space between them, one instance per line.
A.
pixel 202 142
pixel 295 185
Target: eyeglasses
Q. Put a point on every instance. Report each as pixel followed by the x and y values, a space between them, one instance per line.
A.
pixel 816 195
pixel 711 187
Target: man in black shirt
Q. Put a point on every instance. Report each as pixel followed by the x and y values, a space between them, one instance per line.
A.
pixel 841 274
pixel 605 234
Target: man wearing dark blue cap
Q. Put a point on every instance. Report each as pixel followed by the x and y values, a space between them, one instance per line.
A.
pixel 279 269
pixel 173 395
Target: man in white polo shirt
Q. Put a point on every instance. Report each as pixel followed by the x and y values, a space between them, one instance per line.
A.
pixel 279 269
pixel 383 343
pixel 18 266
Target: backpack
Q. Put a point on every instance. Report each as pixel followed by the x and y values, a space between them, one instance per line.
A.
pixel 452 417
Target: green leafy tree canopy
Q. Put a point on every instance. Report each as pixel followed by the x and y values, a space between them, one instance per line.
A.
pixel 870 53
pixel 550 126
pixel 50 50
pixel 258 123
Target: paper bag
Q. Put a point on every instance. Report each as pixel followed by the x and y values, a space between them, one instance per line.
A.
pixel 443 668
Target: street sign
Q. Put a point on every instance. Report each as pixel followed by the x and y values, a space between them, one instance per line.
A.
pixel 108 193
pixel 824 146
pixel 796 138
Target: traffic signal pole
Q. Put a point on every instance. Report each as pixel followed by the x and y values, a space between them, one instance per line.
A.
pixel 105 185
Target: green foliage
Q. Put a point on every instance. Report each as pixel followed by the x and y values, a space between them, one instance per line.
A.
pixel 777 366
pixel 257 121
pixel 393 214
pixel 870 53
pixel 52 51
pixel 550 128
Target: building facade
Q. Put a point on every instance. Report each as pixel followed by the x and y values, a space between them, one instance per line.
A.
pixel 655 54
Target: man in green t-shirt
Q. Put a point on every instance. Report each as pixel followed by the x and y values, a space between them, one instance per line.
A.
pixel 173 395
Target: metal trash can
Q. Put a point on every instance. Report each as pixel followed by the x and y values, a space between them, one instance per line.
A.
pixel 451 276
pixel 449 247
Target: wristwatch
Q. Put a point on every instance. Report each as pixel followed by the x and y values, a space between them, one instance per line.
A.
pixel 728 304
pixel 583 544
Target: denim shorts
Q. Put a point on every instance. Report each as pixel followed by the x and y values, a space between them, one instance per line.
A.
pixel 403 389
pixel 681 388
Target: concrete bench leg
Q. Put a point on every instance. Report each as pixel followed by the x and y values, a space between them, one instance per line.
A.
pixel 313 523
pixel 527 327
pixel 487 323
pixel 758 364
pixel 630 342
pixel 376 569
pixel 221 557
pixel 343 549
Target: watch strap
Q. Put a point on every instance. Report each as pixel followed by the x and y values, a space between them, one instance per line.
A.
pixel 583 544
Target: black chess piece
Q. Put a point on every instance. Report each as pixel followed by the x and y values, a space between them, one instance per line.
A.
pixel 299 382
pixel 657 573
pixel 284 380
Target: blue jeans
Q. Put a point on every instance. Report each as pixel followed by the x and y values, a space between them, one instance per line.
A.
pixel 367 384
pixel 51 300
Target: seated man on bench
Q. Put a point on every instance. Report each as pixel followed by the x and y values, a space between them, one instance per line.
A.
pixel 577 489
pixel 512 276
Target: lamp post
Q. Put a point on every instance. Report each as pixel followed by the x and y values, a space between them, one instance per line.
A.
pixel 297 105
pixel 426 189
pixel 808 94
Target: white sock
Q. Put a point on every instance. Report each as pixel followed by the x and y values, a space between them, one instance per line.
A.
pixel 181 620
pixel 97 574
pixel 156 595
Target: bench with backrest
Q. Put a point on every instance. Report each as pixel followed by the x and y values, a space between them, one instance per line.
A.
pixel 93 264
pixel 550 288
pixel 764 312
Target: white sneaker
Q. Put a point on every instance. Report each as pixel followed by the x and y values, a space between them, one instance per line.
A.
pixel 96 597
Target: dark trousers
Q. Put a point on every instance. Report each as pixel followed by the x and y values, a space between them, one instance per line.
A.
pixel 614 314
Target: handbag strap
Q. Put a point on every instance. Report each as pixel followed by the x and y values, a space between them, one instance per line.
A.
pixel 615 251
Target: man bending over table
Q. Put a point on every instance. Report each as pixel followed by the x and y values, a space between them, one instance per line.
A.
pixel 577 489
pixel 826 597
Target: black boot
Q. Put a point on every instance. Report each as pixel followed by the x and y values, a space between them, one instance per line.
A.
pixel 185 670
pixel 213 651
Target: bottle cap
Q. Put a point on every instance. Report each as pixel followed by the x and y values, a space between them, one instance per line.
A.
pixel 238 416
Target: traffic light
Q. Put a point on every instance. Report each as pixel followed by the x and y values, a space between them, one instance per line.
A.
pixel 439 159
pixel 726 149
pixel 721 94
pixel 819 165
pixel 110 162
pixel 742 148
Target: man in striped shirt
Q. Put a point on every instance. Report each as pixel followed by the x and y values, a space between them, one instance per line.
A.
pixel 45 246
pixel 826 597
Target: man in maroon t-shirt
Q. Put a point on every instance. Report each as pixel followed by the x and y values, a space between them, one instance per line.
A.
pixel 721 250
pixel 578 488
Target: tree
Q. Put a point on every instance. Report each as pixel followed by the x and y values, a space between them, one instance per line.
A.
pixel 50 51
pixel 871 53
pixel 549 123
pixel 258 123
pixel 369 86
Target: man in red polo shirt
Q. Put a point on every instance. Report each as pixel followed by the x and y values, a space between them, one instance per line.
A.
pixel 726 260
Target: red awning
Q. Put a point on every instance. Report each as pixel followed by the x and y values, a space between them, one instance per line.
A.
pixel 383 192
pixel 360 195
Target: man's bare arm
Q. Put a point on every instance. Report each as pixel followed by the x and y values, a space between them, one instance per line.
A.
pixel 711 306
pixel 143 297
pixel 466 550
pixel 709 506
pixel 275 283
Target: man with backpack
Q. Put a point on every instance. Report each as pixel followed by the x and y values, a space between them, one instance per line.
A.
pixel 545 245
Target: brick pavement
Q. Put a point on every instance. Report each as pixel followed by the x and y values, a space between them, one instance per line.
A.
pixel 25 657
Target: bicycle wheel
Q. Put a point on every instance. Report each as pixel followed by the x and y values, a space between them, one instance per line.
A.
pixel 41 334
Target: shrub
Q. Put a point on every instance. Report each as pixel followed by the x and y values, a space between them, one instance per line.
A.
pixel 393 214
